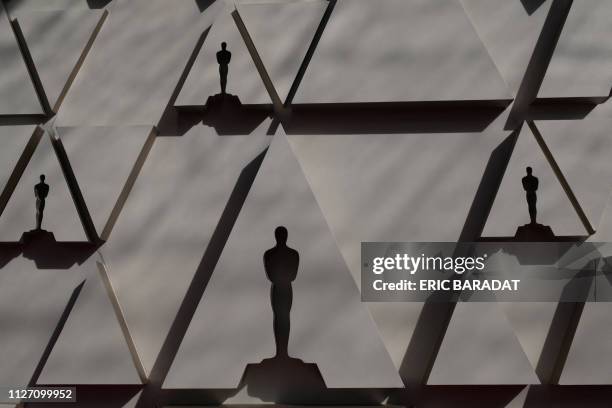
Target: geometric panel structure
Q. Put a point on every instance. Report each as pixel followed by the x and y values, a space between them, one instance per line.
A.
pixel 160 237
pixel 92 332
pixel 282 33
pixel 60 215
pixel 530 322
pixel 582 149
pixel 135 64
pixel 15 142
pixel 326 314
pixel 31 304
pixel 243 79
pixel 510 209
pixel 490 355
pixel 105 161
pixel 57 41
pixel 385 51
pixel 174 212
pixel 510 32
pixel 387 177
pixel 17 93
pixel 589 358
pixel 581 66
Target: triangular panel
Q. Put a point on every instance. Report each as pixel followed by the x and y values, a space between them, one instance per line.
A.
pixel 282 33
pixel 326 314
pixel 105 161
pixel 60 215
pixel 243 79
pixel 17 93
pixel 510 209
pixel 582 150
pixel 56 41
pixel 160 238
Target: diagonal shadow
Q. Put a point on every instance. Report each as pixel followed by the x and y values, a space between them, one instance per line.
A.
pixel 435 316
pixel 538 64
pixel 199 283
pixel 55 335
pixel 171 123
pixel 563 327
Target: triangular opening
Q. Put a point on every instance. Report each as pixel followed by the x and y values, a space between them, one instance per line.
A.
pixel 510 210
pixel 59 212
pixel 282 33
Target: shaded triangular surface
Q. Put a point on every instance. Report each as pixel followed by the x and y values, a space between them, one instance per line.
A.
pixel 581 66
pixel 32 302
pixel 400 51
pixel 531 323
pixel 105 162
pixel 394 199
pixel 326 314
pixel 510 31
pixel 160 238
pixel 282 33
pixel 60 213
pixel 588 360
pixel 583 149
pixel 56 41
pixel 243 78
pixel 510 209
pixel 150 43
pixel 604 228
pixel 92 332
pixel 17 93
pixel 480 348
pixel 14 141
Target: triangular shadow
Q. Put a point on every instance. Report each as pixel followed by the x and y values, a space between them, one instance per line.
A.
pixel 531 6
